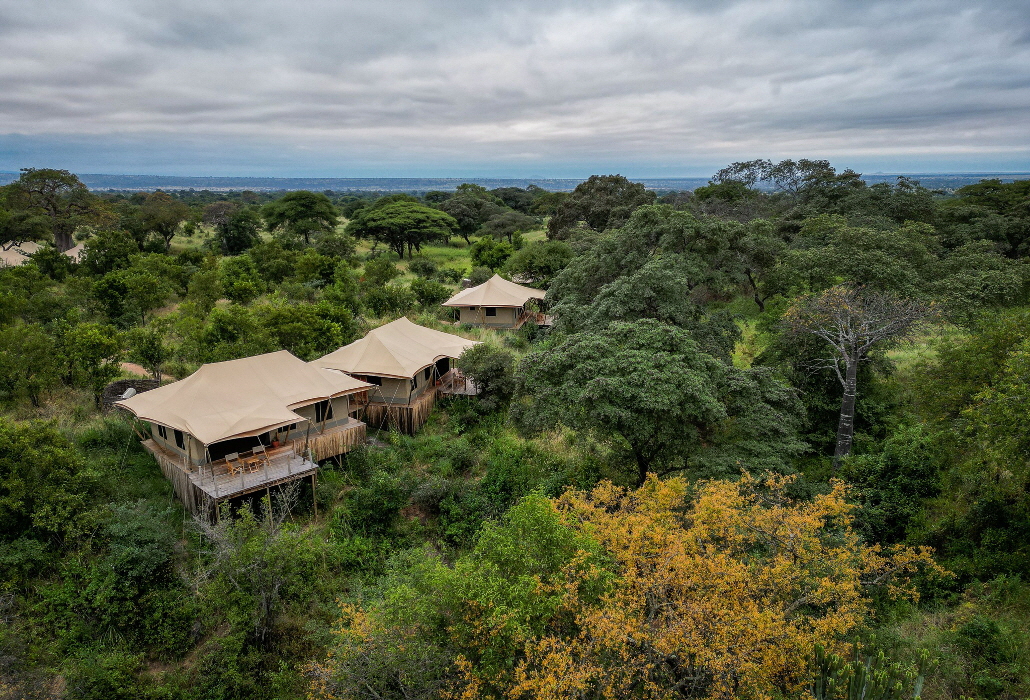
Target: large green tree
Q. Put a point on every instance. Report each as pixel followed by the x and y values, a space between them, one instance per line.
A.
pixel 93 351
pixel 601 202
pixel 471 206
pixel 59 196
pixel 161 214
pixel 301 214
pixel 660 264
pixel 402 225
pixel 236 227
pixel 651 386
pixel 537 264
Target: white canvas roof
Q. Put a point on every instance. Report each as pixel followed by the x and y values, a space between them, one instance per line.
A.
pixel 398 349
pixel 496 291
pixel 239 398
pixel 19 254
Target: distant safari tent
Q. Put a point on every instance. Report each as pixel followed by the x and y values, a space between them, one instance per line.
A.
pixel 497 303
pixel 409 364
pixel 242 426
pixel 18 253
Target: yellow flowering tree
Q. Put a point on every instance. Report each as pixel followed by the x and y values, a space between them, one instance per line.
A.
pixel 720 590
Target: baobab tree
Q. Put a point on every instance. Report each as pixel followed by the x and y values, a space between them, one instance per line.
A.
pixel 853 321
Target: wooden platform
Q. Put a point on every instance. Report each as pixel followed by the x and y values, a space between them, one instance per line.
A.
pixel 202 488
pixel 536 317
pixel 455 384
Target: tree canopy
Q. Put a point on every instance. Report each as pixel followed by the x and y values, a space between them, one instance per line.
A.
pixel 402 225
pixel 672 405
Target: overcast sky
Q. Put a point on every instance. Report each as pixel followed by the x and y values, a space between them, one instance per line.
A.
pixel 338 88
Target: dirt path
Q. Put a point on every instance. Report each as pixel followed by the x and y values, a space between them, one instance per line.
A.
pixel 133 368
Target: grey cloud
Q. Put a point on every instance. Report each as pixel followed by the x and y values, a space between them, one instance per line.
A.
pixel 649 82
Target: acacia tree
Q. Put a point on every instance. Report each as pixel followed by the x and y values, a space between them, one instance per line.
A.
pixel 402 225
pixel 301 214
pixel 854 321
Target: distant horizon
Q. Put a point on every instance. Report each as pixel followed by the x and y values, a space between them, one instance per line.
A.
pixel 122 182
pixel 490 176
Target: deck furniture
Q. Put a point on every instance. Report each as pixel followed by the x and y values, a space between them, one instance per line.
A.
pixel 234 463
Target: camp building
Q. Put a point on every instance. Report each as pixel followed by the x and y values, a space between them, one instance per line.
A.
pixel 497 303
pixel 237 427
pixel 409 364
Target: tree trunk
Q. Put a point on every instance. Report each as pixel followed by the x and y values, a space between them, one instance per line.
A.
pixel 846 426
pixel 642 464
pixel 63 240
pixel 754 291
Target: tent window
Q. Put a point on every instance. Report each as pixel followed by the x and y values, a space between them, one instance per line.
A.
pixel 490 311
pixel 162 432
pixel 323 411
pixel 472 308
pixel 378 381
pixel 180 441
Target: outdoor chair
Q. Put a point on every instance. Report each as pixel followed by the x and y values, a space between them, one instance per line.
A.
pixel 234 463
pixel 260 457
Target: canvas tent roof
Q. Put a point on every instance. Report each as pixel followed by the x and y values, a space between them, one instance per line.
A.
pixel 496 291
pixel 239 398
pixel 19 254
pixel 398 349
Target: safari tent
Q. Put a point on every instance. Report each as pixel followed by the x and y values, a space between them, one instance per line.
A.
pixel 409 365
pixel 235 427
pixel 18 254
pixel 497 303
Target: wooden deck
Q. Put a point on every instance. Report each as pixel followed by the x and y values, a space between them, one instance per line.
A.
pixel 456 384
pixel 202 488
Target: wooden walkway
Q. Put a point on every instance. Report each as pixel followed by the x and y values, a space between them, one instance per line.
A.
pixel 200 488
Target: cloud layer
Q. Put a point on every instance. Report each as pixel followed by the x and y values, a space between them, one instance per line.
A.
pixel 543 88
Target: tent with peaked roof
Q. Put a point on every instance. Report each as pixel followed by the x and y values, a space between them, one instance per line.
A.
pixel 241 398
pixel 496 302
pixel 399 349
pixel 19 254
pixel 405 361
pixel 497 292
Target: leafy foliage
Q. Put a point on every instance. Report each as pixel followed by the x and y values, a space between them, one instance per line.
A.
pixel 673 405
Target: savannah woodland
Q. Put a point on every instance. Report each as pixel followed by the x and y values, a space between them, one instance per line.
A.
pixel 772 446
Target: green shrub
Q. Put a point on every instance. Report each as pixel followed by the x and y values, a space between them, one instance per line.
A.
pixel 105 675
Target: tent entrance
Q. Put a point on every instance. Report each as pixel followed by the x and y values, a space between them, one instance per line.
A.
pixel 443 365
pixel 218 450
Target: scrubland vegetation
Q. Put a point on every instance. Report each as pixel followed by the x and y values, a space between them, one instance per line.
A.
pixel 774 445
